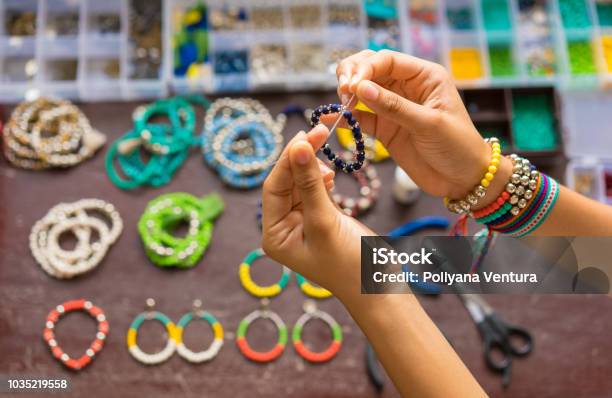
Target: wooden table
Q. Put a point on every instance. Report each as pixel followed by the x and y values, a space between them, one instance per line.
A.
pixel 573 350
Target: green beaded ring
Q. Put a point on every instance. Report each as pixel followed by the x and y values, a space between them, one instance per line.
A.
pixel 161 217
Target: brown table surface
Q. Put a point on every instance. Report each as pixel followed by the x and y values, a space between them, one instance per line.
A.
pixel 573 350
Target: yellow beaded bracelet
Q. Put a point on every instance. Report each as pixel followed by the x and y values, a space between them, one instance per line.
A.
pixel 463 206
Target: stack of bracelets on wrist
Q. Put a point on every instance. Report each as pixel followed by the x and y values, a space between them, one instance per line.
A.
pixel 359 157
pixel 369 187
pixel 161 217
pixel 95 347
pixel 464 206
pixel 241 141
pixel 524 205
pixel 79 219
pixel 167 144
pixel 47 133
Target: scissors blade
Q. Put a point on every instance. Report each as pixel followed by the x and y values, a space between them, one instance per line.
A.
pixel 473 307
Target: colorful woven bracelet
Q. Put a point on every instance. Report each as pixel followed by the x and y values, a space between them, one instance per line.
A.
pixel 311 290
pixel 161 217
pixel 243 344
pixel 215 346
pixel 543 212
pixel 95 347
pixel 311 312
pixel 132 335
pixel 250 286
pixel 464 206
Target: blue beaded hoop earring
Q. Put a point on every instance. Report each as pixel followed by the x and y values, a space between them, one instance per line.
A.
pixel 338 162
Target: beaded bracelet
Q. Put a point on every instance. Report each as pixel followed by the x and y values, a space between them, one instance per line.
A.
pixel 374 149
pixel 94 348
pixel 243 344
pixel 244 273
pixel 338 161
pixel 132 334
pixel 164 213
pixel 47 133
pixel 369 186
pixel 464 206
pixel 311 312
pixel 241 141
pixel 215 346
pixel 518 191
pixel 167 144
pixel 78 218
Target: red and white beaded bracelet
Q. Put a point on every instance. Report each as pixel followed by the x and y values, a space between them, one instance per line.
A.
pixel 95 347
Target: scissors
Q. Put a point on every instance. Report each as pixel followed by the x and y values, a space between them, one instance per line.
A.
pixel 501 340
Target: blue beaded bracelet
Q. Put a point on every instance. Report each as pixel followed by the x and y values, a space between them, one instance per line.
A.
pixel 337 161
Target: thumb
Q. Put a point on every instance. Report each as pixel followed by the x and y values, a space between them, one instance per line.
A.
pixel 309 181
pixel 392 106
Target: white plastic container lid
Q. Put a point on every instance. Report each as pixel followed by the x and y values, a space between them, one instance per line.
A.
pixel 587 119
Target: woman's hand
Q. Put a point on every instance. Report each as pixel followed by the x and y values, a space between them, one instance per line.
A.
pixel 420 119
pixel 302 227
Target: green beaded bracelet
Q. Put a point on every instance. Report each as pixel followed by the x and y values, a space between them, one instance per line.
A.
pixel 164 213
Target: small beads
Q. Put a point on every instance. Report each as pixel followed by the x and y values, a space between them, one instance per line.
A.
pixel 339 163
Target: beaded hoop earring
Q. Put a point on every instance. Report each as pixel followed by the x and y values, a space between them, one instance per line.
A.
pixel 94 348
pixel 243 344
pixel 310 289
pixel 338 162
pixel 215 346
pixel 369 186
pixel 161 356
pixel 163 213
pixel 311 312
pixel 250 286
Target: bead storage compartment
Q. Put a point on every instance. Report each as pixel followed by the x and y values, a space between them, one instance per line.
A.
pixel 18 56
pixel 100 66
pixel 587 121
pixel 526 121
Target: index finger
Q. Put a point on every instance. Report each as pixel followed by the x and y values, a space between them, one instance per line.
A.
pixel 389 64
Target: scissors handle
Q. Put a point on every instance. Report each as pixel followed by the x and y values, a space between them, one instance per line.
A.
pixel 497 354
pixel 518 339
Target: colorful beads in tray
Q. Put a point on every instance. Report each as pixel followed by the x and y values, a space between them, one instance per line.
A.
pixel 574 14
pixel 500 58
pixel 581 57
pixel 496 15
pixel 465 63
pixel 533 122
pixel 191 42
pixel 606 42
pixel 604 12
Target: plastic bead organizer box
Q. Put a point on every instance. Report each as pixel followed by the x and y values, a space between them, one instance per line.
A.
pixel 231 45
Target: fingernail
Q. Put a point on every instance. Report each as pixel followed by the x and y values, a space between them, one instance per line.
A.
pixel 354 80
pixel 344 98
pixel 369 91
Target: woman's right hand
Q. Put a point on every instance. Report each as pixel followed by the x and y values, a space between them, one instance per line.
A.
pixel 420 118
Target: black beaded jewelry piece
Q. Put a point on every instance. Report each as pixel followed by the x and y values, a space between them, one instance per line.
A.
pixel 337 161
